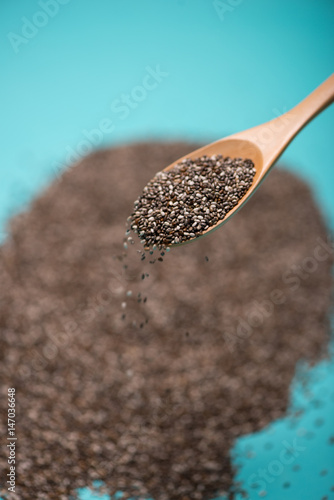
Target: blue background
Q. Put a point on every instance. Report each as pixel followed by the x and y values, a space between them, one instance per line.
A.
pixel 231 65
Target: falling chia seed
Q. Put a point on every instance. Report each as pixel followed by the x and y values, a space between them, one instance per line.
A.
pixel 184 202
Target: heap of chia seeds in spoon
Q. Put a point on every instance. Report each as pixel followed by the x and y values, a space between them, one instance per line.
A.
pixel 194 196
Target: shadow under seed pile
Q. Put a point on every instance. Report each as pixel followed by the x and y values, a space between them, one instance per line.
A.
pixel 189 199
pixel 152 410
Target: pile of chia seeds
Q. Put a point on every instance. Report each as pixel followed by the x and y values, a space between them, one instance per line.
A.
pixel 152 411
pixel 194 196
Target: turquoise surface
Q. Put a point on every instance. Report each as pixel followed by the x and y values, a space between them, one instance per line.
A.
pixel 79 75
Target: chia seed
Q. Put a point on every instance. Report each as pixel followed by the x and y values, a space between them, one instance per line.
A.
pixel 181 204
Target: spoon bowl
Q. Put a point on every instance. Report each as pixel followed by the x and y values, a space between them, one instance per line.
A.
pixel 234 148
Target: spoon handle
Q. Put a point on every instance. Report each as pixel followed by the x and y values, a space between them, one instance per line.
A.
pixel 274 136
pixel 313 104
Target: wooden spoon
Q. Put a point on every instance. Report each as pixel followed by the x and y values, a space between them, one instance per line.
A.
pixel 265 143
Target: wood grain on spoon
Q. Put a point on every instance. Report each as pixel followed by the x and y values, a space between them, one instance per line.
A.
pixel 265 143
